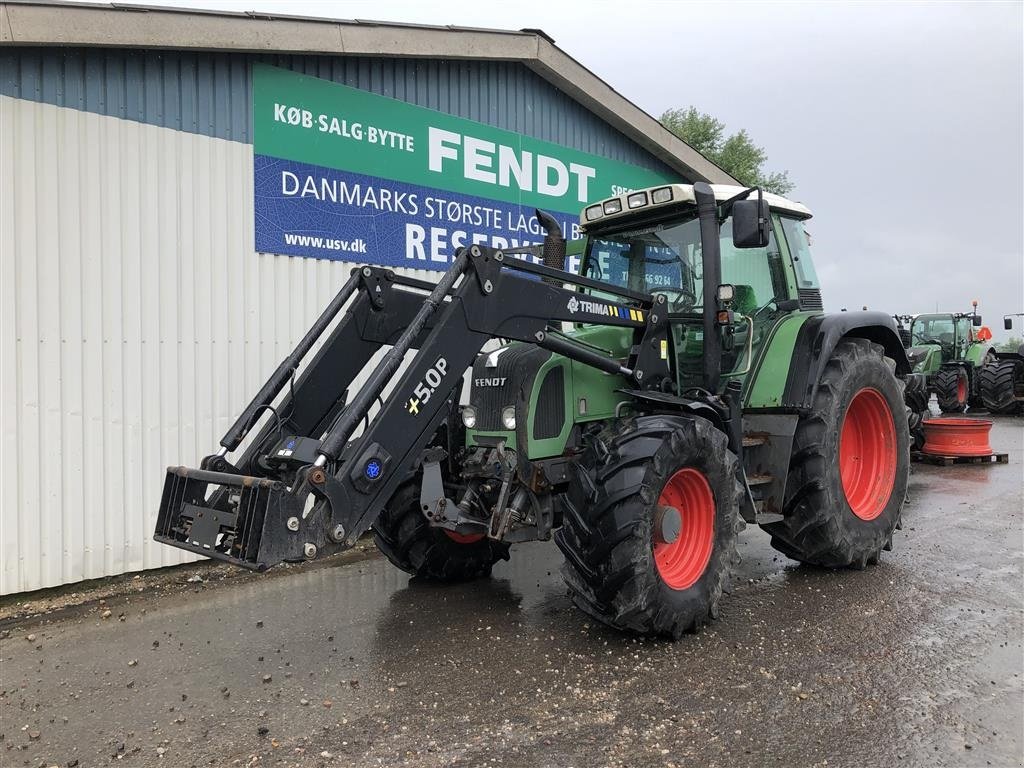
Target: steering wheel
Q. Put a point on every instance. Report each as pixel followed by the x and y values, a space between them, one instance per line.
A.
pixel 684 298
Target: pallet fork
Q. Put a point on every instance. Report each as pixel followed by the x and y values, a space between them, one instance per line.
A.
pixel 305 486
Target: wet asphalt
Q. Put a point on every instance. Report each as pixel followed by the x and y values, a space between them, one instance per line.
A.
pixel 917 661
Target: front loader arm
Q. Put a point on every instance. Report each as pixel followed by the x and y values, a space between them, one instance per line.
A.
pixel 483 296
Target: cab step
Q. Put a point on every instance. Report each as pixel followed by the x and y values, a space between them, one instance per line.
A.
pixel 765 518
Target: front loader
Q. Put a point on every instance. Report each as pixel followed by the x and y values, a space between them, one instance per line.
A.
pixel 684 383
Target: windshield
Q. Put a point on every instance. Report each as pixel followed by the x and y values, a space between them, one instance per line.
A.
pixel 932 329
pixel 663 259
pixel 666 259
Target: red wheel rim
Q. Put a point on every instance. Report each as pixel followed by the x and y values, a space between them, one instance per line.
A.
pixel 867 454
pixel 683 561
pixel 961 389
pixel 463 538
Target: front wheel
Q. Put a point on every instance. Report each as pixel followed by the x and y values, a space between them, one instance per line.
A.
pixel 403 535
pixel 650 525
pixel 952 389
pixel 850 464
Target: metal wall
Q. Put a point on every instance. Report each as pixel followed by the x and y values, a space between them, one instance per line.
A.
pixel 211 93
pixel 135 317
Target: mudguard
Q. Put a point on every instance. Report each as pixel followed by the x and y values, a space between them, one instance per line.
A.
pixel 817 339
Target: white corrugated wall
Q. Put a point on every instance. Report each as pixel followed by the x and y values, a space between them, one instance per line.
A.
pixel 136 320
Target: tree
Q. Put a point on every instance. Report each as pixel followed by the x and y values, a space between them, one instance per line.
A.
pixel 1012 344
pixel 737 154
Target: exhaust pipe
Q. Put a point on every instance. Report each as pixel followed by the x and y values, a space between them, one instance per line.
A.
pixel 553 250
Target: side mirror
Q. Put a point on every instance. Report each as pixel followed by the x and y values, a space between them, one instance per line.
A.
pixel 751 225
pixel 976 321
pixel 1008 323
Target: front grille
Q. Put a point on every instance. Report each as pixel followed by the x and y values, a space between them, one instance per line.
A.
pixel 516 364
pixel 810 299
pixel 550 416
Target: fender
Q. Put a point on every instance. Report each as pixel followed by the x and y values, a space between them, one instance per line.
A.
pixel 683 405
pixel 817 339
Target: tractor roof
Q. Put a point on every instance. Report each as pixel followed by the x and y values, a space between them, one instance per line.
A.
pixel 673 195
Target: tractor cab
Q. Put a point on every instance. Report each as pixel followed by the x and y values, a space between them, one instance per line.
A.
pixel 948 335
pixel 651 241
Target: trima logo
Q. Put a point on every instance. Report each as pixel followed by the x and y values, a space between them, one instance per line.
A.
pixel 576 305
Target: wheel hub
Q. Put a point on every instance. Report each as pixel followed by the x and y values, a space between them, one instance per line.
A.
pixel 667 524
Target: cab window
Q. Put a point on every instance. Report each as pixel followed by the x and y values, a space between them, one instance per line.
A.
pixel 754 272
pixel 800 249
pixel 661 259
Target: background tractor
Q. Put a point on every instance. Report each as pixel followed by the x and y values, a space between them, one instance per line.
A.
pixel 1001 380
pixel 685 383
pixel 948 350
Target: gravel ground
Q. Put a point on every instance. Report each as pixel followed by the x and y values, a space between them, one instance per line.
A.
pixel 917 661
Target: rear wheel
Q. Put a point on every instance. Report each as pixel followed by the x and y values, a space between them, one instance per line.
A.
pixel 996 381
pixel 410 543
pixel 952 389
pixel 850 463
pixel 650 524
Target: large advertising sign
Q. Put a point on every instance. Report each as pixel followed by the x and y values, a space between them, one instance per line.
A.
pixel 348 175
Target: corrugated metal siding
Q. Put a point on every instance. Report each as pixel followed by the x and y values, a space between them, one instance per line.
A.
pixel 136 322
pixel 211 94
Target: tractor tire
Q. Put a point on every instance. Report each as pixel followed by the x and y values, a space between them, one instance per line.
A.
pixel 850 464
pixel 618 565
pixel 405 538
pixel 996 382
pixel 952 389
pixel 916 397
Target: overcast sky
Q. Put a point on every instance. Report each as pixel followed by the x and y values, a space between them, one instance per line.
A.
pixel 901 124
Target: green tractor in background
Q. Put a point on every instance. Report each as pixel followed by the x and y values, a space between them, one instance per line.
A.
pixel 950 353
pixel 1001 381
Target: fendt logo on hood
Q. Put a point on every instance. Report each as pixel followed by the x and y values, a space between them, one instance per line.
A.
pixel 495 381
pixel 575 305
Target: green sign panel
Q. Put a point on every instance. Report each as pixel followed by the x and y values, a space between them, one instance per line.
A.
pixel 346 174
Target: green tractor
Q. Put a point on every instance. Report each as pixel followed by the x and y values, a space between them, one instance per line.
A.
pixel 950 353
pixel 684 383
pixel 1001 380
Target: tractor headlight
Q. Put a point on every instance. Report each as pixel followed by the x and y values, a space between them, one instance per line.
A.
pixel 469 417
pixel 508 417
pixel 612 206
pixel 662 195
pixel 594 212
pixel 637 200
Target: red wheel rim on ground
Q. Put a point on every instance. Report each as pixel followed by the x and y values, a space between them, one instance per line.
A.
pixel 867 454
pixel 464 538
pixel 682 562
pixel 961 389
pixel 957 437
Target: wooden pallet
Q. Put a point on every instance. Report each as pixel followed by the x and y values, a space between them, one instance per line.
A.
pixel 945 461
